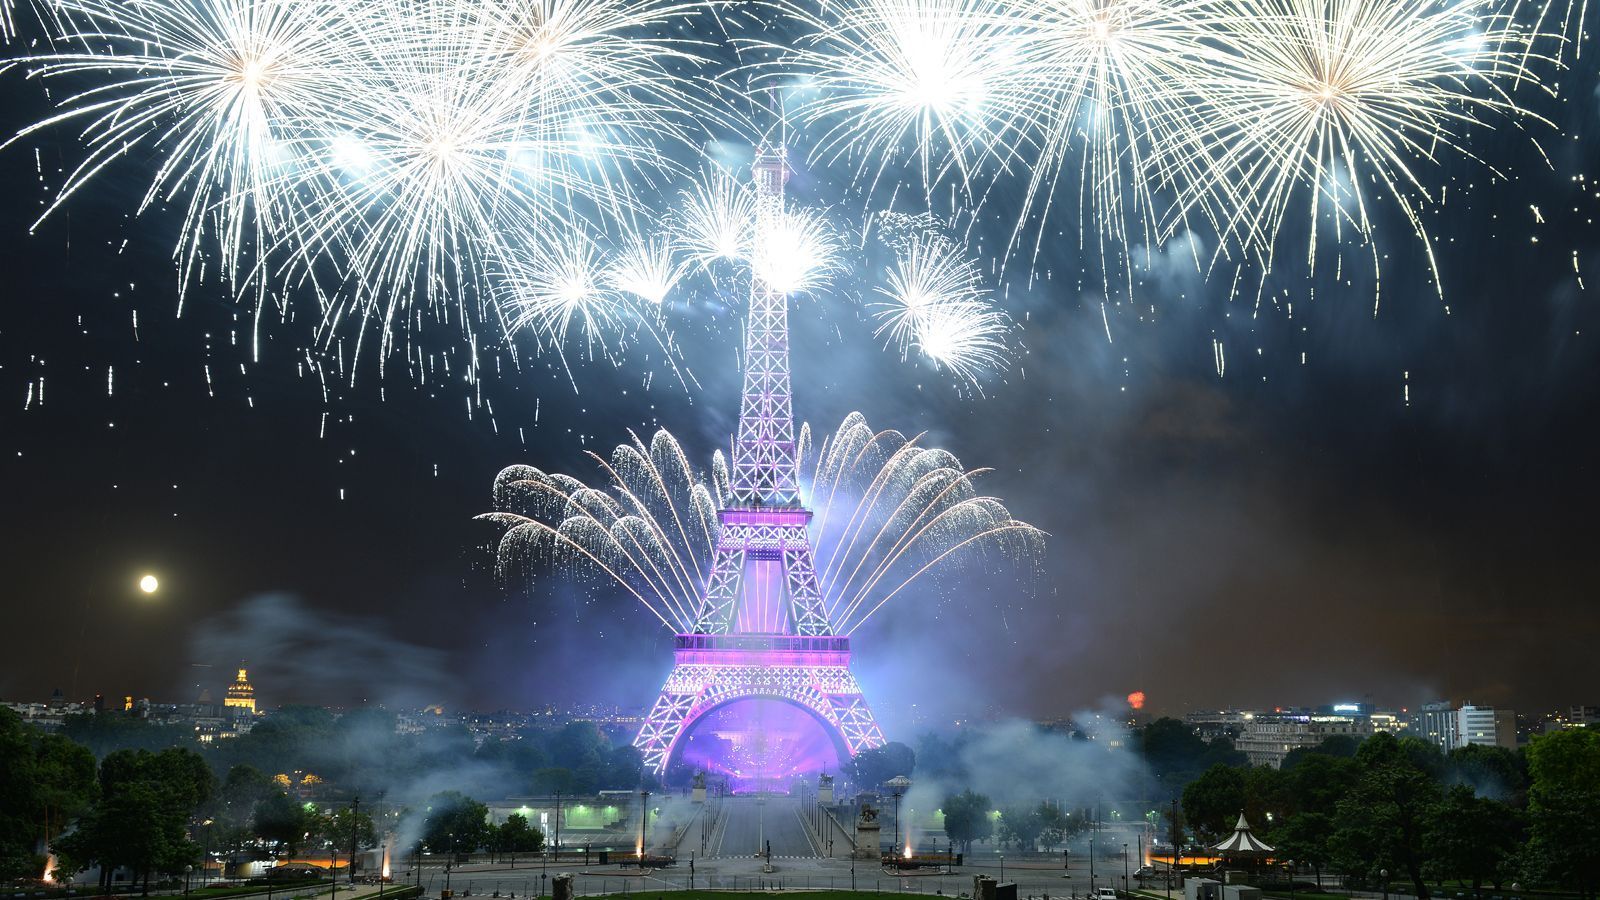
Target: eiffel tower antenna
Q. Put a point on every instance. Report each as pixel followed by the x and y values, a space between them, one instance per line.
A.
pixel 762 629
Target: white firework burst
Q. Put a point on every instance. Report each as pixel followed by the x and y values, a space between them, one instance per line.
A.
pixel 936 306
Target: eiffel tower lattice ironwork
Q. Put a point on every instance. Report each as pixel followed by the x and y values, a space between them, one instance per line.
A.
pixel 762 629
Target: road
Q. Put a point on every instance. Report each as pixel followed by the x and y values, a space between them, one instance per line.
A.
pixel 748 823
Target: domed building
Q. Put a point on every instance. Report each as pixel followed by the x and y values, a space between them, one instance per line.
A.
pixel 241 696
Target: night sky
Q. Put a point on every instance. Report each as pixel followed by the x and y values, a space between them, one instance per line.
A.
pixel 1405 515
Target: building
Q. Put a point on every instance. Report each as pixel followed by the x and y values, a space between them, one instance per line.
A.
pixel 1436 723
pixel 1485 726
pixel 1448 726
pixel 1268 738
pixel 241 695
pixel 1213 724
pixel 1393 723
pixel 1572 717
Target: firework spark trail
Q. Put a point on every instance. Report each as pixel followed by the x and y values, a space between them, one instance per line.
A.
pixel 884 75
pixel 937 307
pixel 652 535
pixel 799 252
pixel 1318 97
pixel 1220 110
pixel 888 513
pixel 646 268
pixel 1103 84
pixel 715 218
pixel 395 141
pixel 209 87
pixel 906 510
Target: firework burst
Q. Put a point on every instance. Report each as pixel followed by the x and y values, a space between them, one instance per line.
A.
pixel 889 514
pixel 378 150
pixel 210 89
pixel 935 305
pixel 1333 104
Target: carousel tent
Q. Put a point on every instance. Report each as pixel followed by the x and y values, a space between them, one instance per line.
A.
pixel 1242 842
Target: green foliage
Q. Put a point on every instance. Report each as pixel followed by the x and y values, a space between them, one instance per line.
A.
pixel 455 823
pixel 1055 826
pixel 345 826
pixel 966 819
pixel 1305 838
pixel 1472 838
pixel 1176 755
pixel 1212 802
pixel 48 782
pixel 515 835
pixel 285 821
pixel 107 732
pixel 871 768
pixel 938 757
pixel 1490 771
pixel 1564 809
pixel 1381 822
pixel 142 819
pixel 1019 828
pixel 1338 746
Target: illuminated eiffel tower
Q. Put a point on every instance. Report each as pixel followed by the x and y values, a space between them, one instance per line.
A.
pixel 762 629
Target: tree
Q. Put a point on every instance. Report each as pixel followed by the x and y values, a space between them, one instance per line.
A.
pixel 1492 772
pixel 966 819
pixel 284 820
pixel 871 768
pixel 1472 838
pixel 1338 746
pixel 940 758
pixel 515 835
pixel 455 823
pixel 1317 784
pixel 1381 823
pixel 1564 809
pixel 1212 802
pixel 142 819
pixel 347 826
pixel 1305 838
pixel 49 781
pixel 1176 755
pixel 1056 826
pixel 1020 827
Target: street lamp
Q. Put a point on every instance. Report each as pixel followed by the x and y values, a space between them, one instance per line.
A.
pixel 898 785
pixel 355 832
pixel 1384 874
pixel 186 871
pixel 1002 868
pixel 1124 867
pixel 1290 864
pixel 558 828
pixel 644 824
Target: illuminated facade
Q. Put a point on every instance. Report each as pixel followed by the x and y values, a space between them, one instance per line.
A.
pixel 762 630
pixel 241 695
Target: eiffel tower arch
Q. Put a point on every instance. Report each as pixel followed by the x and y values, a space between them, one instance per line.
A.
pixel 762 628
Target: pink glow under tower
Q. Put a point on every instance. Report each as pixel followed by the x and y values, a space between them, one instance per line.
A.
pixel 762 630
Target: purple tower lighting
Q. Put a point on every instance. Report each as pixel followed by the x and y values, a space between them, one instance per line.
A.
pixel 762 630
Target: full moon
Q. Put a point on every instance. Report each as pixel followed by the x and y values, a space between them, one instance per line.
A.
pixel 148 584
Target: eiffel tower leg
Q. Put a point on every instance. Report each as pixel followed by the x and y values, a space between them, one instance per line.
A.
pixel 665 723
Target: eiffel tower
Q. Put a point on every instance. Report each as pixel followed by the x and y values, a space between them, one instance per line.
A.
pixel 762 629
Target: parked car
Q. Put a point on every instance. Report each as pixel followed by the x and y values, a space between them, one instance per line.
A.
pixel 1105 894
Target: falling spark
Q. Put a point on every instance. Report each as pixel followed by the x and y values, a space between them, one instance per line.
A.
pixel 887 513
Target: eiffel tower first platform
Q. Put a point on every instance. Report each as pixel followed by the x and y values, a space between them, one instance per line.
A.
pixel 762 629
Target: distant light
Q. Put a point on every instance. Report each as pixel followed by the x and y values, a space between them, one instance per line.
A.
pixel 148 584
pixel 1347 707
